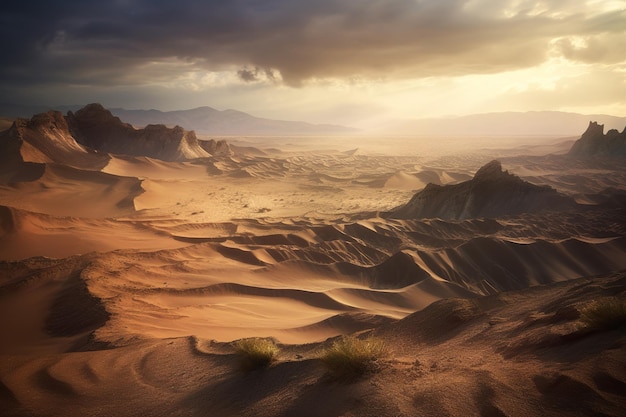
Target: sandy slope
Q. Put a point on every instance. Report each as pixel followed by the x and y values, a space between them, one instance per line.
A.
pixel 519 353
pixel 121 288
pixel 26 234
pixel 66 191
pixel 281 284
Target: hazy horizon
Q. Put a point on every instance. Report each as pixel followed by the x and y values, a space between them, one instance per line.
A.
pixel 228 123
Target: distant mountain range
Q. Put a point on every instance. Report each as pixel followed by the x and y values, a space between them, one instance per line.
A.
pixel 533 123
pixel 203 120
pixel 209 121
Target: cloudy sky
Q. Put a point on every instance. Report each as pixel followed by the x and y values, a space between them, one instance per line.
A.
pixel 340 61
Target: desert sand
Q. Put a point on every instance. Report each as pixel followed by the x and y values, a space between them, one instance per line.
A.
pixel 124 279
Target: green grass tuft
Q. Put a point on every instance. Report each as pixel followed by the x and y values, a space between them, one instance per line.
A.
pixel 256 353
pixel 351 357
pixel 606 314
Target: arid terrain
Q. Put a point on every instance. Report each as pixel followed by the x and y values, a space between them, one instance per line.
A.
pixel 132 258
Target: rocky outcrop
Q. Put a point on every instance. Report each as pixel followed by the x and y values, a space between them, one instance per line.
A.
pixel 7 220
pixel 95 127
pixel 491 193
pixel 216 148
pixel 29 144
pixel 85 139
pixel 595 143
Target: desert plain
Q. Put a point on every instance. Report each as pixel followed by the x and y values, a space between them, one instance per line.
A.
pixel 125 277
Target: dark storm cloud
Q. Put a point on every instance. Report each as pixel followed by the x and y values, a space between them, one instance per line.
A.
pixel 110 42
pixel 247 75
pixel 256 74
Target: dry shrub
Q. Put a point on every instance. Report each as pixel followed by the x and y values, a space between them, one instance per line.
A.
pixel 256 352
pixel 351 357
pixel 606 314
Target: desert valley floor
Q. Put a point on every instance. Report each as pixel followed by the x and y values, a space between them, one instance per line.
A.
pixel 123 281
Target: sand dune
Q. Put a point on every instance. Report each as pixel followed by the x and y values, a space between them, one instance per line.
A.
pixel 511 354
pixel 235 278
pixel 145 167
pixel 66 191
pixel 26 234
pixel 574 177
pixel 123 284
pixel 404 180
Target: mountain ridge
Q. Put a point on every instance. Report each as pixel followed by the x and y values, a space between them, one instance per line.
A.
pixel 208 120
pixel 96 127
pixel 505 123
pixel 203 119
pixel 531 123
pixel 85 140
pixel 29 144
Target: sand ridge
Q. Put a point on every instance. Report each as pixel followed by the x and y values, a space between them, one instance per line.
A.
pixel 172 292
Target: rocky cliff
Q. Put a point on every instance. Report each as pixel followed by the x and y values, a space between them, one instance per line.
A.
pixel 595 143
pixel 216 148
pixel 491 193
pixel 29 144
pixel 95 127
pixel 85 139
